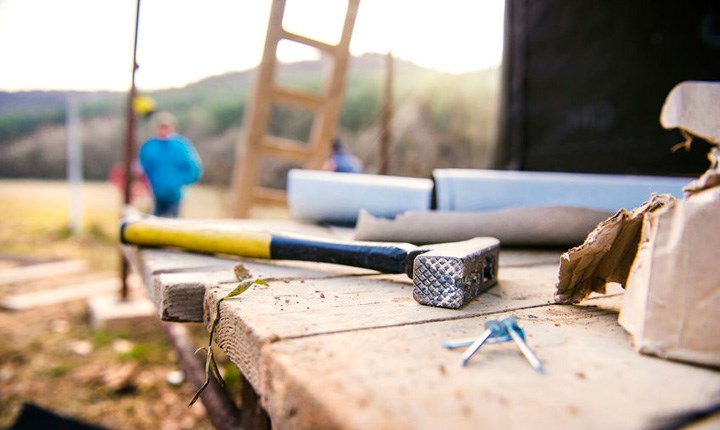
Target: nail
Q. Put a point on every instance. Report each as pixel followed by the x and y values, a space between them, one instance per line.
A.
pixel 513 329
pixel 492 327
pixel 467 341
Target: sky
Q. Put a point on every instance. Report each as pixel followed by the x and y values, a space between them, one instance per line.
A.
pixel 88 44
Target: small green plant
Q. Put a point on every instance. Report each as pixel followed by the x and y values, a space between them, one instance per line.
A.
pixel 210 363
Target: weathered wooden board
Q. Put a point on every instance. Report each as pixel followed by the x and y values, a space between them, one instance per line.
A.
pixel 402 378
pixel 310 307
pixel 162 270
pixel 45 270
pixel 360 353
pixel 54 295
pixel 176 281
pixel 329 346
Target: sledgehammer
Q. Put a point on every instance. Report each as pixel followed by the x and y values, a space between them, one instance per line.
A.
pixel 446 275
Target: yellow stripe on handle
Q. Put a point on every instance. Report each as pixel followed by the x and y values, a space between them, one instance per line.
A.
pixel 212 238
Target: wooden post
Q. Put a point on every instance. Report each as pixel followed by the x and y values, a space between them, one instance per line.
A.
pixel 129 150
pixel 386 115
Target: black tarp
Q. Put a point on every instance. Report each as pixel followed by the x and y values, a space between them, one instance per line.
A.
pixel 584 83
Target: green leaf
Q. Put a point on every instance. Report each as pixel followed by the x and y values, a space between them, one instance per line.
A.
pixel 210 363
pixel 243 286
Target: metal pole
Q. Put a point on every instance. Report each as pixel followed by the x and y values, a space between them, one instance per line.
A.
pixel 129 150
pixel 74 165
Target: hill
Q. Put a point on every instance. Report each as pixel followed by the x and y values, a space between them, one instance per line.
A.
pixel 440 120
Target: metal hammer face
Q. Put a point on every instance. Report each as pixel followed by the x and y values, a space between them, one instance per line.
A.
pixel 449 275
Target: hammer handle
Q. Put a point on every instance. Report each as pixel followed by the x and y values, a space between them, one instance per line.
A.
pixel 216 238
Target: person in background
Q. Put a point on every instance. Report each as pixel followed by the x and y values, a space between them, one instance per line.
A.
pixel 341 160
pixel 170 163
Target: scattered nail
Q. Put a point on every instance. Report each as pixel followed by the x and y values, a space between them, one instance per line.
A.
pixel 495 332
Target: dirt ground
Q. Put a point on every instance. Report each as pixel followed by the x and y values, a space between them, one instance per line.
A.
pixel 50 356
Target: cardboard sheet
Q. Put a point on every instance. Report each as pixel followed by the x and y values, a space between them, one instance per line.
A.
pixel 692 106
pixel 664 252
pixel 535 226
pixel 672 306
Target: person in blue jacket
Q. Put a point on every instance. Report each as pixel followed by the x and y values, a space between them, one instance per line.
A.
pixel 170 163
pixel 342 160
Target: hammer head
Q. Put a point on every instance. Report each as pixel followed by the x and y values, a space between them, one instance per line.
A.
pixel 449 275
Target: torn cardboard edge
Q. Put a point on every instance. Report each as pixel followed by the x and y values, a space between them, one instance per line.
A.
pixel 664 252
pixel 692 106
pixel 606 255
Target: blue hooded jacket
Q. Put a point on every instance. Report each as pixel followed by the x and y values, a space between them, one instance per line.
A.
pixel 169 165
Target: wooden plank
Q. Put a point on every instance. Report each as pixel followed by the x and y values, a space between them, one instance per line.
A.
pixel 288 149
pixel 151 262
pixel 320 46
pixel 516 257
pixel 269 196
pixel 300 307
pixel 180 296
pixel 176 281
pixel 401 378
pixel 53 295
pixel 329 346
pixel 33 272
pixel 297 98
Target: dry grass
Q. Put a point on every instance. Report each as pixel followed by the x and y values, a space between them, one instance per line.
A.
pixel 36 221
pixel 36 218
pixel 50 356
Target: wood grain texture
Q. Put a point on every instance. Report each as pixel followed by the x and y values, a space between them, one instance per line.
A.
pixel 358 352
pixel 296 308
pixel 176 281
pixel 328 346
pixel 401 378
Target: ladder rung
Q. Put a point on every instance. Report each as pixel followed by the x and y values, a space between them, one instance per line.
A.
pixel 279 147
pixel 322 46
pixel 269 196
pixel 297 98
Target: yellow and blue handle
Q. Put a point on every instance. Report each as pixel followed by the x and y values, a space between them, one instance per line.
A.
pixel 223 238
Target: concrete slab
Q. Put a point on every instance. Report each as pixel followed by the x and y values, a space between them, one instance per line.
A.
pixel 109 312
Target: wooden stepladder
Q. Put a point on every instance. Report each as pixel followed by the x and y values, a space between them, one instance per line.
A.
pixel 258 144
